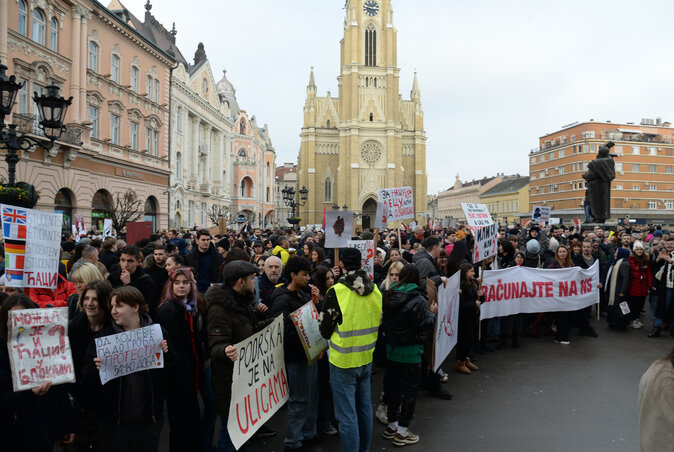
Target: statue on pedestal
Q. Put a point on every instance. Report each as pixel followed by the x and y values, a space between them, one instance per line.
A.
pixel 600 173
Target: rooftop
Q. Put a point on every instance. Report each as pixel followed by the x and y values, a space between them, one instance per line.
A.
pixel 512 184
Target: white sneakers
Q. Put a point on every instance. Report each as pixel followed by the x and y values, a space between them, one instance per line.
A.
pixel 636 324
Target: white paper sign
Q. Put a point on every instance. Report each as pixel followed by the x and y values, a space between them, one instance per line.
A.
pixel 447 325
pixel 382 216
pixel 541 213
pixel 107 227
pixel 32 246
pixel 399 203
pixel 259 382
pixel 366 248
pixel 338 228
pixel 130 352
pixel 484 230
pixel 305 320
pixel 39 348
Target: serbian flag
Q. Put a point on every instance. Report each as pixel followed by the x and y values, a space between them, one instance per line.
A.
pixel 325 218
pixel 14 261
pixel 14 275
pixel 15 247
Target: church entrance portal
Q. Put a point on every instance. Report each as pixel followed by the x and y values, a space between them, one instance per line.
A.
pixel 369 213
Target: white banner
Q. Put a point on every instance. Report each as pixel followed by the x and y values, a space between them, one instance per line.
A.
pixel 130 352
pixel 541 213
pixel 305 320
pixel 484 230
pixel 366 248
pixel 399 204
pixel 447 325
pixel 259 382
pixel 39 348
pixel 32 246
pixel 338 228
pixel 518 290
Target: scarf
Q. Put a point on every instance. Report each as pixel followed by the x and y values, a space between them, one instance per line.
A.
pixel 614 279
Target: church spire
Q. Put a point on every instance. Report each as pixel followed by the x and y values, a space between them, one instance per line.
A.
pixel 311 87
pixel 416 93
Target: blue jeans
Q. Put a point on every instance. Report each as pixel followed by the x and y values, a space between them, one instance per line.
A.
pixel 353 406
pixel 669 295
pixel 302 403
pixel 208 416
pixel 588 213
pixel 224 441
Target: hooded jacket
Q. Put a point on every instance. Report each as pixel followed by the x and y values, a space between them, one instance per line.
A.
pixel 141 281
pixel 406 319
pixel 284 302
pixel 281 253
pixel 231 319
pixel 427 269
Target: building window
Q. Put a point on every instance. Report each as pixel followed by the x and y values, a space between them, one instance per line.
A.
pixel 134 79
pixel 39 26
pixel 586 148
pixel 618 187
pixel 636 167
pixel 148 140
pixel 243 188
pixel 371 117
pixel 190 213
pixel 635 150
pixel 23 18
pixel 652 204
pixel 54 35
pixel 114 129
pixel 327 195
pixel 561 153
pixel 133 135
pixel 155 142
pixel 24 97
pixel 179 165
pixel 669 205
pixel 619 167
pixel 636 187
pixel 93 56
pixel 179 119
pixel 652 168
pixel 114 68
pixel 93 118
pixel 652 151
pixel 148 87
pixel 156 90
pixel 652 187
pixel 669 169
pixel 243 155
pixel 242 127
pixel 561 170
pixel 370 46
pixel 268 194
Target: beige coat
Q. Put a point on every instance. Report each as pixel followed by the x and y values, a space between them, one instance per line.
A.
pixel 656 408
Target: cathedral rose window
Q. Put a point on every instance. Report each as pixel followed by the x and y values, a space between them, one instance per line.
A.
pixel 370 153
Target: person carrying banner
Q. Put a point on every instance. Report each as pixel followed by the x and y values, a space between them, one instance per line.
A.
pixel 302 376
pixel 406 322
pixel 31 420
pixel 469 303
pixel 585 260
pixel 664 285
pixel 129 408
pixel 350 320
pixel 231 318
pixel 562 260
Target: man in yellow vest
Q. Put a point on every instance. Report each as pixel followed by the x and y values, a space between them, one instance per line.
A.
pixel 350 321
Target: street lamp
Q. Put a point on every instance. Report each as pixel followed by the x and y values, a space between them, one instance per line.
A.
pixel 289 200
pixel 51 108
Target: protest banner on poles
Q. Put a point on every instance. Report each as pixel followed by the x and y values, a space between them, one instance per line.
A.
pixel 366 248
pixel 518 290
pixel 130 352
pixel 541 213
pixel 447 324
pixel 39 348
pixel 32 246
pixel 305 320
pixel 259 382
pixel 484 230
pixel 397 204
pixel 338 228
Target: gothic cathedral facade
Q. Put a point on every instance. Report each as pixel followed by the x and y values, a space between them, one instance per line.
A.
pixel 369 137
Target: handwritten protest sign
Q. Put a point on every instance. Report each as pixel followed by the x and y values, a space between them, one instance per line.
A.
pixel 447 325
pixel 39 348
pixel 130 352
pixel 382 216
pixel 338 228
pixel 32 246
pixel 541 213
pixel 518 290
pixel 399 204
pixel 484 229
pixel 366 248
pixel 259 382
pixel 305 320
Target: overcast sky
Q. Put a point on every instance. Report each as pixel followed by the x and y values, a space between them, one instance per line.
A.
pixel 494 75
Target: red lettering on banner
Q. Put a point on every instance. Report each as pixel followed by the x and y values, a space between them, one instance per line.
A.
pixel 563 288
pixel 548 289
pixel 238 419
pixel 573 289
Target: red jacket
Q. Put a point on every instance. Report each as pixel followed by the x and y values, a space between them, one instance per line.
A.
pixel 56 297
pixel 641 278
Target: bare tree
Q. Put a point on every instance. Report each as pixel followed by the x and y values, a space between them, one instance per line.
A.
pixel 216 213
pixel 122 208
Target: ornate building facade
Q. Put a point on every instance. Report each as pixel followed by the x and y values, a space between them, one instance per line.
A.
pixel 117 134
pixel 368 137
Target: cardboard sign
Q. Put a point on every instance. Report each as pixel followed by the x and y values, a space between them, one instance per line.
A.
pixel 541 213
pixel 305 320
pixel 366 248
pixel 399 204
pixel 338 228
pixel 447 324
pixel 138 230
pixel 32 246
pixel 259 382
pixel 130 352
pixel 107 227
pixel 39 348
pixel 382 216
pixel 484 229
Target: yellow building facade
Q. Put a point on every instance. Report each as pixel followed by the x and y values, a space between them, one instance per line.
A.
pixel 368 137
pixel 508 200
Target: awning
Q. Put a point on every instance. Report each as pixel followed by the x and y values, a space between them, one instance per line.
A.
pixel 630 131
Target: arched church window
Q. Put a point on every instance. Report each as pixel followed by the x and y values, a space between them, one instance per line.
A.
pixel 371 117
pixel 328 125
pixel 327 195
pixel 243 155
pixel 370 46
pixel 242 127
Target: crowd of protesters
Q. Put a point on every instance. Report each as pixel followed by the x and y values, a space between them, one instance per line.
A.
pixel 209 292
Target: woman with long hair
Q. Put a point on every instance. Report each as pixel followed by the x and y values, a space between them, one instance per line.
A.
pixel 181 313
pixel 656 417
pixel 391 276
pixel 406 322
pixel 317 257
pixel 441 262
pixel 562 260
pixel 641 280
pixel 81 277
pixel 469 303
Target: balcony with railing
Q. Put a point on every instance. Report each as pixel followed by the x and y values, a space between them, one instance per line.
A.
pixel 30 124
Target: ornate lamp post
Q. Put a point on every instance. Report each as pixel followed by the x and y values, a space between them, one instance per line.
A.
pixel 52 109
pixel 290 201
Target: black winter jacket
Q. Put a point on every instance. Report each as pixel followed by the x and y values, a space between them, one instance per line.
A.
pixel 194 261
pixel 284 302
pixel 427 269
pixel 141 281
pixel 406 319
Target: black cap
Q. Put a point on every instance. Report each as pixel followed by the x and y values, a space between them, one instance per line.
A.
pixel 351 258
pixel 237 269
pixel 258 243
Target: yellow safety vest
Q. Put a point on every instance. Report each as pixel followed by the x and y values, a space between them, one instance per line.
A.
pixel 352 343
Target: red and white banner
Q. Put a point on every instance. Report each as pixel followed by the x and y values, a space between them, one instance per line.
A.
pixel 366 248
pixel 484 230
pixel 518 290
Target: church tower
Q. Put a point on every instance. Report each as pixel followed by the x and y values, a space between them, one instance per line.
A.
pixel 368 137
